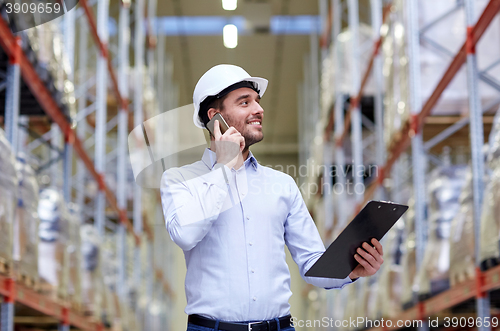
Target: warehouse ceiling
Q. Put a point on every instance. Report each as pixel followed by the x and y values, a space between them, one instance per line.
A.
pixel 279 58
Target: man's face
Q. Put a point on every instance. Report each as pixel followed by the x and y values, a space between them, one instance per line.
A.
pixel 243 111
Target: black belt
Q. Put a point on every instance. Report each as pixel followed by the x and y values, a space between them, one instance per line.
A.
pixel 269 325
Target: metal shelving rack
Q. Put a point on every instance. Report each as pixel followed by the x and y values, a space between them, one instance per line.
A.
pixel 76 142
pixel 411 134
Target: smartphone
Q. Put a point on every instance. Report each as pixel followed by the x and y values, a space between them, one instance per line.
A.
pixel 222 124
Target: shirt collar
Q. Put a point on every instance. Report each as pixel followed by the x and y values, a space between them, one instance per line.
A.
pixel 209 158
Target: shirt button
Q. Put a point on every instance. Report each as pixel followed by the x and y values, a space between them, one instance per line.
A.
pixel 250 243
pixel 253 271
pixel 248 218
pixel 254 299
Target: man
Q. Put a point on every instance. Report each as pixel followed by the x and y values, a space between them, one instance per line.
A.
pixel 233 217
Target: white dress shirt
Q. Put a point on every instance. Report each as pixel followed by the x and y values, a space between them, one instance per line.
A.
pixel 233 228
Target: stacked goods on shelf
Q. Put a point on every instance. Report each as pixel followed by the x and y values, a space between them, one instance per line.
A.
pixel 490 217
pixel 340 301
pixel 371 308
pixel 396 75
pixel 142 295
pixel 90 250
pixel 131 284
pixel 445 185
pixel 351 305
pixel 149 205
pixel 74 258
pixel 462 264
pixel 388 299
pixel 365 295
pixel 52 63
pixel 408 258
pixel 8 201
pixel 26 225
pixel 344 56
pixel 53 239
pixel 110 278
pixel 446 36
pixel 156 309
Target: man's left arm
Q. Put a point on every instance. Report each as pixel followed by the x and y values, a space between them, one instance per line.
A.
pixel 305 245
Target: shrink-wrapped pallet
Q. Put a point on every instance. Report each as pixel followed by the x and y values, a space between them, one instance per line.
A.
pixel 91 275
pixel 52 64
pixel 388 300
pixel 445 185
pixel 490 217
pixel 53 239
pixel 442 28
pixel 395 70
pixel 8 202
pixel 408 259
pixel 367 296
pixel 462 264
pixel 26 224
pixel 74 257
pixel 110 277
pixel 339 305
pixel 351 306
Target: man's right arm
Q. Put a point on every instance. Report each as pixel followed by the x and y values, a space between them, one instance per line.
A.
pixel 191 206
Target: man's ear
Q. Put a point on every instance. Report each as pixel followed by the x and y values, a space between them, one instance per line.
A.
pixel 211 113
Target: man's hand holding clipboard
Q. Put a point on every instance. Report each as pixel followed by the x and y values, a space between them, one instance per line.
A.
pixel 351 253
pixel 370 259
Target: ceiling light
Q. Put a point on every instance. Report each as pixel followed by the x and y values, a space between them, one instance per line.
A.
pixel 230 36
pixel 229 4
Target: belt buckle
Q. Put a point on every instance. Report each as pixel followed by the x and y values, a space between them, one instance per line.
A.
pixel 250 325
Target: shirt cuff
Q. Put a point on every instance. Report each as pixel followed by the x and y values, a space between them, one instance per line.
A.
pixel 346 280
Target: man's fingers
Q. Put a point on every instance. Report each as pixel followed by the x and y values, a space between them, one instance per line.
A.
pixel 368 257
pixel 373 252
pixel 378 246
pixel 368 267
pixel 217 133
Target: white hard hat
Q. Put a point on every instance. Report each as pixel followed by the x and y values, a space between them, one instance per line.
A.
pixel 218 79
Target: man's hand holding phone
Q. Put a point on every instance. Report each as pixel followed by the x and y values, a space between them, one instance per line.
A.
pixel 228 146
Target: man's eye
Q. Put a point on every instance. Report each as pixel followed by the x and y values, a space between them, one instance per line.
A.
pixel 244 102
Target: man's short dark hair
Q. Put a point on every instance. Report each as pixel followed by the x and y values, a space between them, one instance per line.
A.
pixel 217 103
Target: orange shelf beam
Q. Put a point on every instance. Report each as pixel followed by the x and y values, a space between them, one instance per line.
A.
pixel 490 280
pixel 38 89
pixel 45 305
pixel 415 123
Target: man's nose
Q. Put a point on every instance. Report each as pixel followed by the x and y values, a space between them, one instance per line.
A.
pixel 258 108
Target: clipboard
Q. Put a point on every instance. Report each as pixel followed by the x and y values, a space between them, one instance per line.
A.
pixel 372 222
